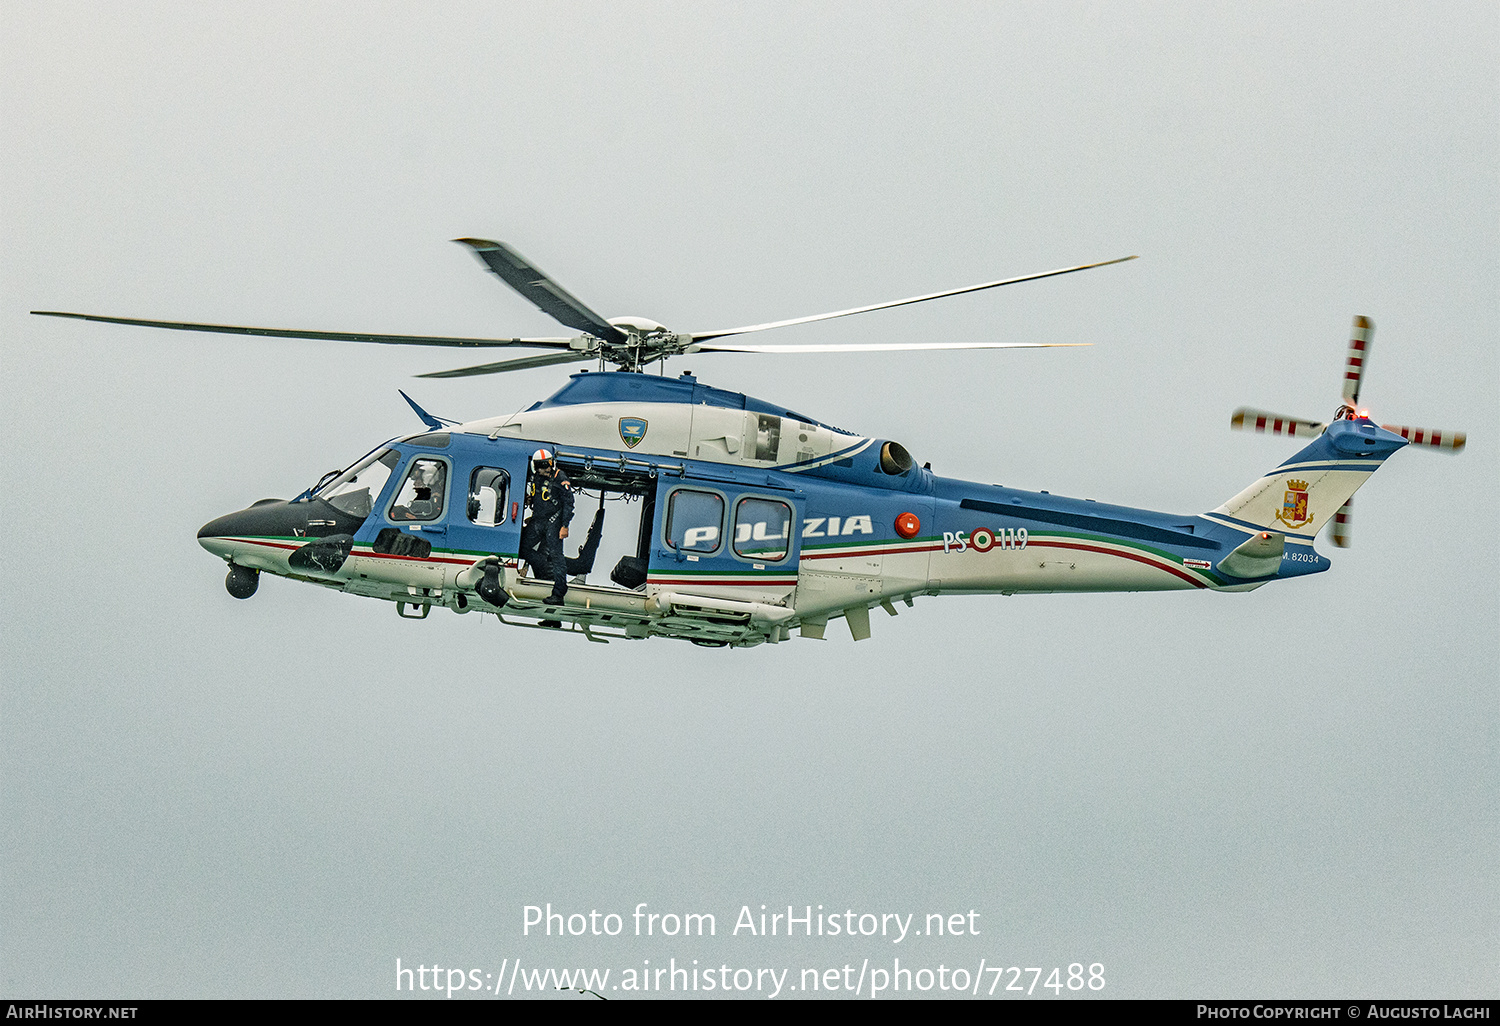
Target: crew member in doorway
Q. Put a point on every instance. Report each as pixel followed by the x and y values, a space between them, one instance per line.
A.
pixel 550 496
pixel 578 566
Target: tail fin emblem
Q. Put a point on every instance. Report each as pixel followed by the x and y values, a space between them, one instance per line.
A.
pixel 1294 506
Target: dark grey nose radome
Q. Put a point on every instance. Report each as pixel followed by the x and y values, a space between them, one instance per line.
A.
pixel 320 536
pixel 277 518
pixel 268 518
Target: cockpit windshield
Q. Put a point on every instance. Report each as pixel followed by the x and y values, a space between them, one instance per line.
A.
pixel 355 490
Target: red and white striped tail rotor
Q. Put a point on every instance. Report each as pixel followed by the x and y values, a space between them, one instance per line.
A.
pixel 1360 337
pixel 1449 441
pixel 1342 525
pixel 1247 419
pixel 1262 422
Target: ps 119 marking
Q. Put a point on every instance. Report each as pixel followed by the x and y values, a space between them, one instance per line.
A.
pixel 983 539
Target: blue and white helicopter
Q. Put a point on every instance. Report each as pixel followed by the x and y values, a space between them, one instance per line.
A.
pixel 743 520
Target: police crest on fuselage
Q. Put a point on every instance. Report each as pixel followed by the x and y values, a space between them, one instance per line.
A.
pixel 632 431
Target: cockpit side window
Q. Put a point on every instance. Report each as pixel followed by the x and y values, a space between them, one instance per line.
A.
pixel 422 493
pixel 355 490
pixel 488 489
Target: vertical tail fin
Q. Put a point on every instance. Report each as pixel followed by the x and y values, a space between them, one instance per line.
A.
pixel 1304 494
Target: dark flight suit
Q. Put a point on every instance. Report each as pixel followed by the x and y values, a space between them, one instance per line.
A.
pixel 583 563
pixel 551 511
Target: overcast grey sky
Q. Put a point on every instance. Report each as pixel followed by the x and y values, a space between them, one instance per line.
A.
pixel 1286 793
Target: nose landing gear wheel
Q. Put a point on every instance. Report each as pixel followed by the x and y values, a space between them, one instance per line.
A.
pixel 242 581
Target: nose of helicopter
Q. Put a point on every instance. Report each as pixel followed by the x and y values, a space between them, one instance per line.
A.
pixel 219 527
pixel 268 518
pixel 220 534
pixel 275 519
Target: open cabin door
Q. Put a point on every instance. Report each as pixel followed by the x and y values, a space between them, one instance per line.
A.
pixel 726 540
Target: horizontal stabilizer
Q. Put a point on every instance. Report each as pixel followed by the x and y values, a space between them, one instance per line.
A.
pixel 1260 556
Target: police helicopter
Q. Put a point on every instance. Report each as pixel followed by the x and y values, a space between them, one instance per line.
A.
pixel 743 520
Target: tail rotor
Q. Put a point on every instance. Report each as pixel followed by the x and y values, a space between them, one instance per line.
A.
pixel 1448 441
pixel 1359 350
pixel 1247 419
pixel 1341 525
pixel 1360 336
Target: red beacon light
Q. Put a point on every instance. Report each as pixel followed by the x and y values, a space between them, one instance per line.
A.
pixel 907 525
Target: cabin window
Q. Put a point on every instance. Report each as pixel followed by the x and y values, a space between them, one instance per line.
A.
pixel 421 495
pixel 355 490
pixel 488 488
pixel 762 529
pixel 695 520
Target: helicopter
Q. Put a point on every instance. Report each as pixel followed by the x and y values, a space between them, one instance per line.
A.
pixel 745 521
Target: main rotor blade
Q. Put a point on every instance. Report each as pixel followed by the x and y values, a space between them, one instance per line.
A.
pixel 1360 337
pixel 879 347
pixel 545 360
pixel 547 295
pixel 1448 441
pixel 705 335
pixel 1247 419
pixel 335 336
